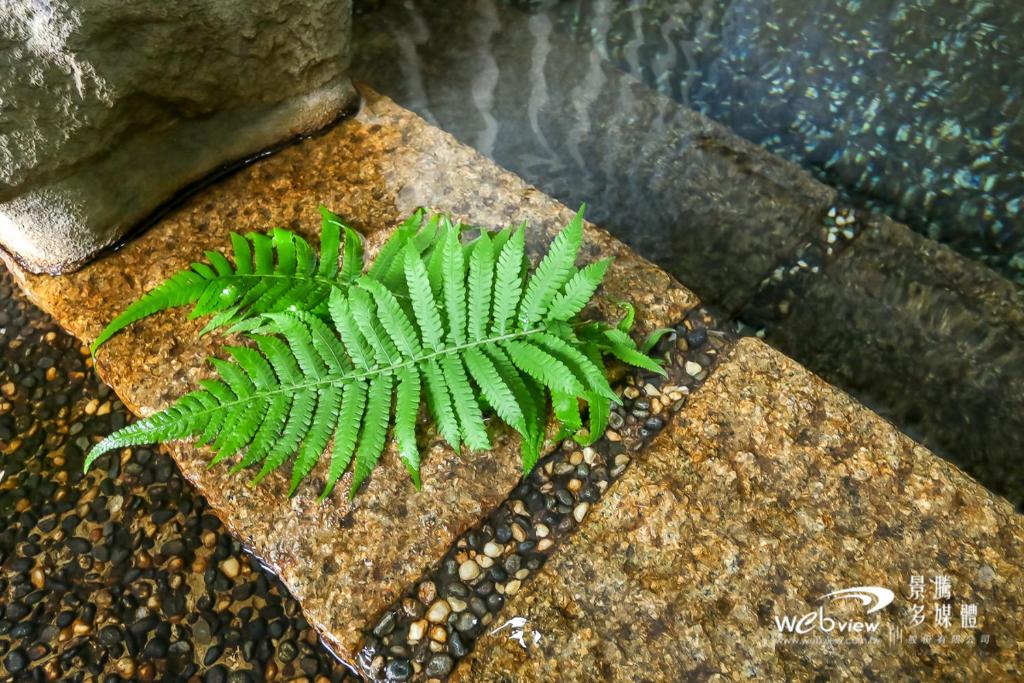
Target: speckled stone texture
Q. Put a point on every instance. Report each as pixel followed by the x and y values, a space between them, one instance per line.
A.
pixel 936 339
pixel 711 208
pixel 345 562
pixel 769 491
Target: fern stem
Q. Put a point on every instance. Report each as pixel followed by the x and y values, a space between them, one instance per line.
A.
pixel 355 376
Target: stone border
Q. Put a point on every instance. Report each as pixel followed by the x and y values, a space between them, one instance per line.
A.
pixel 780 291
pixel 424 634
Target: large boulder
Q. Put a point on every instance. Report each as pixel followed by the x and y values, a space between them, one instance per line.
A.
pixel 110 109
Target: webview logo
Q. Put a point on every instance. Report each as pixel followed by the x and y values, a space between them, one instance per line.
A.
pixel 874 598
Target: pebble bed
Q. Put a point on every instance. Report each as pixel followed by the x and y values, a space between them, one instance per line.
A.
pixel 123 574
pixel 434 624
pixel 780 291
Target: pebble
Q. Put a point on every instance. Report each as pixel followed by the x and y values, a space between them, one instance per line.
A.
pixel 439 611
pixel 466 622
pixel 512 587
pixel 417 630
pixel 398 670
pixel 469 570
pixel 230 567
pixel 426 592
pixel 692 369
pixel 580 511
pixel 15 661
pixel 439 666
pixel 492 549
pixel 71 542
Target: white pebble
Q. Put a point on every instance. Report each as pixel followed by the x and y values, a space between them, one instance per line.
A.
pixel 438 612
pixel 469 570
pixel 512 587
pixel 492 549
pixel 692 369
pixel 580 511
pixel 417 630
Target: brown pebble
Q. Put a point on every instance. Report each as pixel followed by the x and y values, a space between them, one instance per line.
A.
pixel 80 628
pixel 126 667
pixel 426 592
pixel 147 672
pixel 38 578
pixel 51 374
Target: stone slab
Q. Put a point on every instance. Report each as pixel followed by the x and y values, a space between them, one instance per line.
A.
pixel 936 339
pixel 770 490
pixel 713 209
pixel 345 562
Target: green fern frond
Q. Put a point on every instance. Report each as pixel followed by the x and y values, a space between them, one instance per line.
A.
pixel 271 273
pixel 460 326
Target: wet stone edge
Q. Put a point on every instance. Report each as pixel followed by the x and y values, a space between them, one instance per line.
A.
pixel 781 290
pixel 424 634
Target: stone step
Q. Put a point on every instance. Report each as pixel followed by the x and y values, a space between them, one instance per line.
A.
pixel 926 337
pixel 769 491
pixel 344 561
pixel 930 340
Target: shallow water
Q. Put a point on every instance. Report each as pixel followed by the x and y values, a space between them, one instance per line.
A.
pixel 912 108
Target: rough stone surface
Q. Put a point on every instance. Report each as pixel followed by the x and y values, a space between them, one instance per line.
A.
pixel 769 491
pixel 714 210
pixel 92 142
pixel 345 562
pixel 934 338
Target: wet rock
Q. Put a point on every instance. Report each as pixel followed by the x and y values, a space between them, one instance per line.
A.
pixel 95 151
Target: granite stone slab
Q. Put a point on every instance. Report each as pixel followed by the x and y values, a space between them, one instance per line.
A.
pixel 936 339
pixel 769 491
pixel 344 561
pixel 716 211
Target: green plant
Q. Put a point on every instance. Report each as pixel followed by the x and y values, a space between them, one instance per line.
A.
pixel 463 325
pixel 274 273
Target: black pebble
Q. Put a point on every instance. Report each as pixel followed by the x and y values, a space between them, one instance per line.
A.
pixel 15 661
pixel 156 648
pixel 398 670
